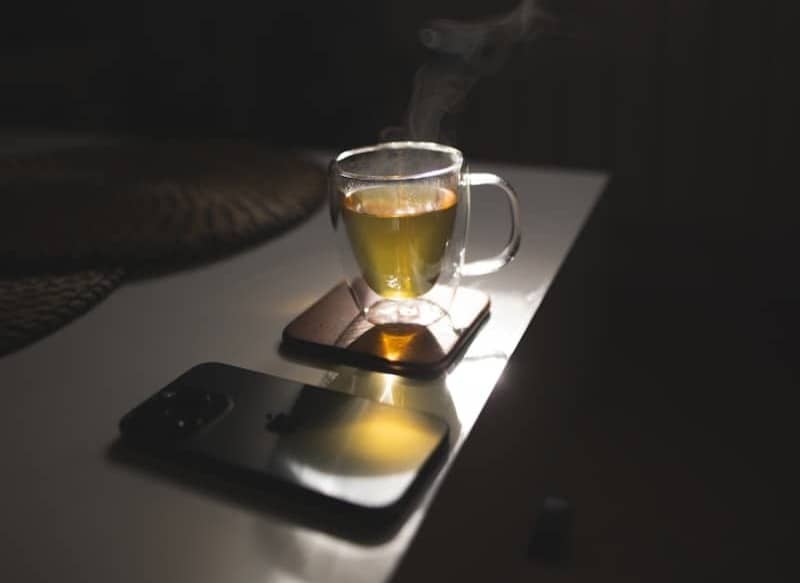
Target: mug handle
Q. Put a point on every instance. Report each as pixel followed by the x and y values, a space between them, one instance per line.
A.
pixel 492 264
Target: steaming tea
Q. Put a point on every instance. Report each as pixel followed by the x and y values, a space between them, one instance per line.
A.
pixel 399 235
pixel 401 210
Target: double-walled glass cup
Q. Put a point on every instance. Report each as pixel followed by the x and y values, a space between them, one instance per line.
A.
pixel 401 211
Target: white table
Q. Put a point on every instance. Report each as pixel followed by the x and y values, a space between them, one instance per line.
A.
pixel 69 513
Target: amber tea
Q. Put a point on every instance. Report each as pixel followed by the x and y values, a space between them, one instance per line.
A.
pixel 399 234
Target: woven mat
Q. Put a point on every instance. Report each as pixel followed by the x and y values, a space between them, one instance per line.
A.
pixel 147 204
pixel 32 307
pixel 91 213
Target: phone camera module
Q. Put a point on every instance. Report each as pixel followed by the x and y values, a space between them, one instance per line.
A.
pixel 175 414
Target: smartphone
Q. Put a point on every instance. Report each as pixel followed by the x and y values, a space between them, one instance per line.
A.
pixel 262 429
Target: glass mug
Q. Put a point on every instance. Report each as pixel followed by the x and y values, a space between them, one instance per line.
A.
pixel 401 214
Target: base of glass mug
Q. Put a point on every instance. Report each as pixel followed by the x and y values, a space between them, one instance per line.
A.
pixel 419 312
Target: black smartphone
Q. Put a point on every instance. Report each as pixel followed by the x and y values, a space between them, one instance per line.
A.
pixel 259 428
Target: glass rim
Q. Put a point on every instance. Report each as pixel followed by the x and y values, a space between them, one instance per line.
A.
pixel 456 157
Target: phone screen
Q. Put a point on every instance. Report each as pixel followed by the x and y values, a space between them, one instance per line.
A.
pixel 344 447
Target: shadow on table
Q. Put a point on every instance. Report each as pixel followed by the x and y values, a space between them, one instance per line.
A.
pixel 283 501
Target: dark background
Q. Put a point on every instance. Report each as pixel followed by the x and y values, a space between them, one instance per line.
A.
pixel 672 330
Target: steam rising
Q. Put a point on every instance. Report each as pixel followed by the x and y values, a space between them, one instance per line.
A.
pixel 463 53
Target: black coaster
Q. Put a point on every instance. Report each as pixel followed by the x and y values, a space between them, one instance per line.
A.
pixel 333 329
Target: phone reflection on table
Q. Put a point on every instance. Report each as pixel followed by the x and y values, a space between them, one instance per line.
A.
pixel 353 449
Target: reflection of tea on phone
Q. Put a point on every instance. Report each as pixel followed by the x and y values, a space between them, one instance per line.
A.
pixel 399 235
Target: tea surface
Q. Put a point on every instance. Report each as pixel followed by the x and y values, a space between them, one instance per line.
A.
pixel 399 235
